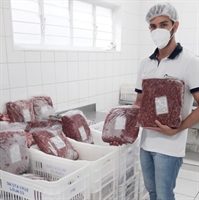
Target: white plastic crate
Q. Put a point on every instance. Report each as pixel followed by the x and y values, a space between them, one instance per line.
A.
pixel 143 193
pixel 102 169
pixel 128 155
pixel 129 190
pixel 68 180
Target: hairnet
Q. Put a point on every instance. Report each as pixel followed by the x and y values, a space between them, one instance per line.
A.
pixel 165 9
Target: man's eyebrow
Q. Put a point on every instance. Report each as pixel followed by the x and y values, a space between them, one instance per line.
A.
pixel 159 23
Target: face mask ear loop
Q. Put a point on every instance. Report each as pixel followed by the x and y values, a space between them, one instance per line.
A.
pixel 170 31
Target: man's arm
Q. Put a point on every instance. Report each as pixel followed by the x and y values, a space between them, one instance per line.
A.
pixel 138 99
pixel 189 121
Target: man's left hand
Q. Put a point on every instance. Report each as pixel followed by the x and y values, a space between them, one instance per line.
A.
pixel 164 129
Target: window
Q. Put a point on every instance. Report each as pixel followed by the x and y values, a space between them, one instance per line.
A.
pixel 66 23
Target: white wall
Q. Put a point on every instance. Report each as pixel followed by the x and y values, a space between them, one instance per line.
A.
pixel 72 79
pixel 77 78
pixel 187 34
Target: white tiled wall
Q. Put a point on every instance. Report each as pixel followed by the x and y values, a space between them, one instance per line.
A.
pixel 78 78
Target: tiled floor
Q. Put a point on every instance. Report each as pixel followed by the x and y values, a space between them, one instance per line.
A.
pixel 187 186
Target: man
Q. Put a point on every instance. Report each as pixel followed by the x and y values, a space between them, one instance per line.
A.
pixel 162 148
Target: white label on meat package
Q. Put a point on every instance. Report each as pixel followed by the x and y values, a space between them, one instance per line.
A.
pixel 26 115
pixel 161 105
pixel 15 154
pixel 82 133
pixel 59 143
pixel 120 123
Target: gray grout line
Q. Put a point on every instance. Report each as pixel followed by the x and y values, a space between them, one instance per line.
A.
pixel 197 195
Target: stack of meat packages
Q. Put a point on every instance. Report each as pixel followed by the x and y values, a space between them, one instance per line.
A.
pixel 34 122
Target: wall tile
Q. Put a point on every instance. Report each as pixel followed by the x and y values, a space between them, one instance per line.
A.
pixel 109 56
pixel 123 67
pixel 116 56
pixel 13 56
pixel 190 6
pixel 109 84
pixel 108 100
pixel 35 91
pixel 4 77
pixel 60 56
pixel 116 67
pixel 92 99
pixel 101 86
pixel 92 87
pixel 6 4
pixel 17 79
pixel 47 56
pixel 115 98
pixel 93 69
pixel 72 56
pixel 83 56
pixel 33 74
pixel 187 36
pixel 73 74
pixel 48 73
pixel 5 97
pixel 100 102
pixel 73 104
pixel 3 54
pixel 62 106
pixel 61 72
pixel 18 93
pixel 188 20
pixel 62 92
pixel 7 22
pixel 101 69
pixel 2 29
pixel 83 70
pixel 109 68
pixel 73 91
pixel 83 89
pixel 92 56
pixel 116 83
pixel 83 102
pixel 101 56
pixel 32 56
pixel 50 90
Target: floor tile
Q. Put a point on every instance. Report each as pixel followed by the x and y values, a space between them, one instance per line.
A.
pixel 187 187
pixel 189 175
pixel 182 197
pixel 191 158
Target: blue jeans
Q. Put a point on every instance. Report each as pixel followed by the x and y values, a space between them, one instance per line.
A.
pixel 160 173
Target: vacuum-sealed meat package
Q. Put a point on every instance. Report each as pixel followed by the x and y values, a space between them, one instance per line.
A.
pixel 20 111
pixel 43 107
pixel 162 100
pixel 120 125
pixel 55 143
pixel 75 126
pixel 14 157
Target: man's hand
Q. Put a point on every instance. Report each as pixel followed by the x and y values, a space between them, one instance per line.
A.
pixel 162 129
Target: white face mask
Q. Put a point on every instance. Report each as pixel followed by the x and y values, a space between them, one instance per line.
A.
pixel 161 37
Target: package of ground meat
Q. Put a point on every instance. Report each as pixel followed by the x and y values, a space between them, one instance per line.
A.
pixel 120 125
pixel 14 157
pixel 162 100
pixel 54 142
pixel 20 111
pixel 75 126
pixel 43 107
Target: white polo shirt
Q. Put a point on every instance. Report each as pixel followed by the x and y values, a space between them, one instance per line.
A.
pixel 183 65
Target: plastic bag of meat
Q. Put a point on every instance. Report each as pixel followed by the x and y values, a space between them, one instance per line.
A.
pixel 43 107
pixel 75 126
pixel 162 100
pixel 20 111
pixel 4 117
pixel 120 125
pixel 54 142
pixel 14 157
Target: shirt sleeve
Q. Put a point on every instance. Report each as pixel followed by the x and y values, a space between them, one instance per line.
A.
pixel 193 74
pixel 138 85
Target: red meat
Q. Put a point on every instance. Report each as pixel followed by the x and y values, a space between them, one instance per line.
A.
pixel 14 157
pixel 43 107
pixel 20 111
pixel 55 143
pixel 120 125
pixel 162 100
pixel 75 126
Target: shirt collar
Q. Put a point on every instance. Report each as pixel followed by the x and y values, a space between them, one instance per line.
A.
pixel 175 52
